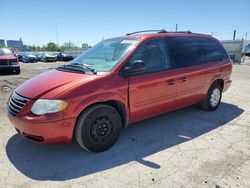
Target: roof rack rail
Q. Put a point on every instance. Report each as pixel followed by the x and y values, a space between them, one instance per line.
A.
pixel 159 31
pixel 188 32
pixel 146 31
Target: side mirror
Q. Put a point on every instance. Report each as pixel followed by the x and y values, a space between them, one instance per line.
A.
pixel 136 66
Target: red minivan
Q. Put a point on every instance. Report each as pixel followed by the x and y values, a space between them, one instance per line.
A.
pixel 119 81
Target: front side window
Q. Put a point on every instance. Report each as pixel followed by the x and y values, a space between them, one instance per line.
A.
pixel 154 54
pixel 185 51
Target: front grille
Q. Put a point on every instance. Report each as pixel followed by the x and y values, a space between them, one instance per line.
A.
pixel 7 61
pixel 4 62
pixel 32 60
pixel 16 103
pixel 50 58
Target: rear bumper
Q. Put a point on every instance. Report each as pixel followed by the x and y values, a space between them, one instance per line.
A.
pixel 227 84
pixel 45 131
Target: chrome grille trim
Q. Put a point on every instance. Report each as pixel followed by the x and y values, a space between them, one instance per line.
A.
pixel 16 103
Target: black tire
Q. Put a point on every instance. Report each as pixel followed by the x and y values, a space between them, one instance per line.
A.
pixel 207 103
pixel 98 128
pixel 17 70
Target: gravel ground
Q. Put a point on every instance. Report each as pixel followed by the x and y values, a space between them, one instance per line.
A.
pixel 185 148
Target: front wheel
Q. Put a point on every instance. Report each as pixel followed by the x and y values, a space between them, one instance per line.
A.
pixel 98 128
pixel 213 98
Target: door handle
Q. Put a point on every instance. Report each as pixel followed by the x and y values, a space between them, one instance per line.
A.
pixel 170 82
pixel 183 79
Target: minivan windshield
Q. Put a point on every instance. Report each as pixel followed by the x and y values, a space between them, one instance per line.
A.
pixel 103 56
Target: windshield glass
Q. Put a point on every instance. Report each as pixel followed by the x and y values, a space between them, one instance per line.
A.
pixel 5 51
pixel 28 53
pixel 106 54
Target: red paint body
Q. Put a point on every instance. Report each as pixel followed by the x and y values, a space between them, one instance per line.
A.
pixel 142 96
pixel 6 62
pixel 8 57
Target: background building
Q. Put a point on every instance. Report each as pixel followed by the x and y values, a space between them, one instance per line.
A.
pixel 15 44
pixel 234 49
pixel 2 43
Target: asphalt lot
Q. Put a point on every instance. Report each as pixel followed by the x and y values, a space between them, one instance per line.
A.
pixel 184 148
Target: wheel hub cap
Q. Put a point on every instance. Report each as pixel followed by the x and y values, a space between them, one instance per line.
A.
pixel 101 129
pixel 215 97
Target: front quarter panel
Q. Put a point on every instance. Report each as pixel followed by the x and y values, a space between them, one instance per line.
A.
pixel 110 87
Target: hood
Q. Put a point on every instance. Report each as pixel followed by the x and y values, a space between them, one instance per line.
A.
pixel 7 57
pixel 48 55
pixel 31 56
pixel 46 82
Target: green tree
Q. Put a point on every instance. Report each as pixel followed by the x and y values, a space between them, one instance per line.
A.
pixel 51 46
pixel 85 46
pixel 68 44
pixel 32 48
pixel 38 48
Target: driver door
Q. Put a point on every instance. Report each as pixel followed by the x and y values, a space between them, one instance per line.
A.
pixel 153 91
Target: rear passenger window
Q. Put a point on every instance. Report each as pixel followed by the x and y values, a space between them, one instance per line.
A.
pixel 214 50
pixel 185 51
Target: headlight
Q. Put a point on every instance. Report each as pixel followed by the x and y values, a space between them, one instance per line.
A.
pixel 43 106
pixel 13 63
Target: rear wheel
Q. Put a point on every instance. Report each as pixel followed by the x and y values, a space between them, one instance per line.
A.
pixel 98 128
pixel 213 98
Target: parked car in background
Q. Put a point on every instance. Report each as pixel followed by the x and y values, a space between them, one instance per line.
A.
pixel 29 57
pixel 19 56
pixel 61 56
pixel 8 62
pixel 48 57
pixel 120 81
pixel 39 55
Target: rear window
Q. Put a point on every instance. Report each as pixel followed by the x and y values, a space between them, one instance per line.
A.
pixel 214 50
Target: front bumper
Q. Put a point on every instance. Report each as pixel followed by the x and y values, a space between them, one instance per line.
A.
pixel 50 59
pixel 9 66
pixel 32 60
pixel 47 130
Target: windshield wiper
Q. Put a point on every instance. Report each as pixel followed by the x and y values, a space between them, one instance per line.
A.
pixel 71 68
pixel 86 67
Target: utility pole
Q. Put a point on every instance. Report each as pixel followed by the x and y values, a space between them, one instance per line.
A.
pixel 56 35
pixel 234 34
pixel 176 27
